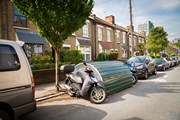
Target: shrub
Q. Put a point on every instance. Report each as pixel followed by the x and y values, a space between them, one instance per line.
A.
pixel 107 56
pixel 155 56
pixel 71 56
pixel 113 56
pixel 102 56
pixel 42 66
pixel 37 59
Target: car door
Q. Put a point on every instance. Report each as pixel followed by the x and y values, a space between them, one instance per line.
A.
pixel 147 61
pixel 151 64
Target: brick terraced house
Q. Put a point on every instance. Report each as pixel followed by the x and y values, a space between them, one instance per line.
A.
pixel 96 36
pixel 16 27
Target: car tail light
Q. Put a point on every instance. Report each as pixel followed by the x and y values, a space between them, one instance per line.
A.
pixel 33 85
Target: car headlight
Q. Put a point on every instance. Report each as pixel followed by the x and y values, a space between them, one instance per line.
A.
pixel 140 67
pixel 160 65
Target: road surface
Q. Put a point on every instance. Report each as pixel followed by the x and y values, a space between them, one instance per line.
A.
pixel 157 98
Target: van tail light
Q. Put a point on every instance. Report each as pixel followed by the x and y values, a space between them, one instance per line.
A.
pixel 33 85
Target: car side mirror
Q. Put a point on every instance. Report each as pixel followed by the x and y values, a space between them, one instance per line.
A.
pixel 147 61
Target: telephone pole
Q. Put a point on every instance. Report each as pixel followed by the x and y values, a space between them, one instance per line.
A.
pixel 130 30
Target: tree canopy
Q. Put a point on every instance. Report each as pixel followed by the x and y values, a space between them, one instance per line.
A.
pixel 141 48
pixel 157 40
pixel 56 19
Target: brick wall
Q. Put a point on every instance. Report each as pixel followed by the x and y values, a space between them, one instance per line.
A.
pixel 46 76
pixel 7 28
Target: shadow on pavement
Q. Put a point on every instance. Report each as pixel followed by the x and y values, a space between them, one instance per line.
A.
pixel 66 112
pixel 133 118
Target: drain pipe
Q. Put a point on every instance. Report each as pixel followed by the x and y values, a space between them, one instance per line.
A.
pixel 94 34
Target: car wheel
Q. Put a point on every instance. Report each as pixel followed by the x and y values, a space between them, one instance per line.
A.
pixel 4 115
pixel 135 80
pixel 145 74
pixel 164 68
pixel 155 71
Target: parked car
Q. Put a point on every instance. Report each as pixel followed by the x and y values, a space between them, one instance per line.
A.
pixel 179 59
pixel 16 82
pixel 162 64
pixel 171 62
pixel 144 65
pixel 133 70
pixel 176 62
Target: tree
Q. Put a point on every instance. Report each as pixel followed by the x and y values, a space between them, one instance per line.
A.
pixel 157 40
pixel 178 44
pixel 56 20
pixel 141 48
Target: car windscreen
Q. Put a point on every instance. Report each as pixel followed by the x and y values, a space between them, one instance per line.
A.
pixel 168 59
pixel 159 60
pixel 134 60
pixel 141 58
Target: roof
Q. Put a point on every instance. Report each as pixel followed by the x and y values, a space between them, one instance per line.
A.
pixel 105 45
pixel 84 42
pixel 30 37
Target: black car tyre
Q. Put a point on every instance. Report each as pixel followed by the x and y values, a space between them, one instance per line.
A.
pixel 135 80
pixel 146 74
pixel 164 68
pixel 155 71
pixel 4 115
pixel 97 95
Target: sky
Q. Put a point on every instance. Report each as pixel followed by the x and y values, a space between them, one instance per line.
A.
pixel 165 13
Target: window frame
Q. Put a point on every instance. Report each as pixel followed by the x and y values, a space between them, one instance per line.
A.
pixel 17 14
pixel 85 30
pixel 100 33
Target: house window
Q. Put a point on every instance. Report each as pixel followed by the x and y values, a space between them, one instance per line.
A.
pixel 85 30
pixel 19 19
pixel 38 49
pixel 124 55
pixel 118 37
pixel 135 39
pixel 28 50
pixel 99 34
pixel 108 35
pixel 86 51
pixel 124 38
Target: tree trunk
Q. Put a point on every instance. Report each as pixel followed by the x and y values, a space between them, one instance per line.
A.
pixel 57 68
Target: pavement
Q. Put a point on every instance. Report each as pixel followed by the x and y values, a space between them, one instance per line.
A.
pixel 47 91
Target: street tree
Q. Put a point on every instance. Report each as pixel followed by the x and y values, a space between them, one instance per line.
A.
pixel 56 20
pixel 157 40
pixel 141 48
pixel 178 44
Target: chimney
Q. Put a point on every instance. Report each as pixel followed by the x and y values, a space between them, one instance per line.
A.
pixel 128 28
pixel 143 33
pixel 110 19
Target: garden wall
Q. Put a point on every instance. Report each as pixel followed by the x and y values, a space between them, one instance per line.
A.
pixel 46 76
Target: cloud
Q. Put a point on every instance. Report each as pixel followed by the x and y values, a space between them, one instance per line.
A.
pixel 161 12
pixel 167 4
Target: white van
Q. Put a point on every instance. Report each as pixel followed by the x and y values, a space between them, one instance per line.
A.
pixel 16 82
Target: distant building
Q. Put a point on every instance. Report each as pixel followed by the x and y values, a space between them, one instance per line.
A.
pixel 146 27
pixel 176 40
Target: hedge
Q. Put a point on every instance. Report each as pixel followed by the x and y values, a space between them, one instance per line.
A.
pixel 71 56
pixel 107 56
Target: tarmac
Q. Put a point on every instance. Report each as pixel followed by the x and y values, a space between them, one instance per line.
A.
pixel 47 91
